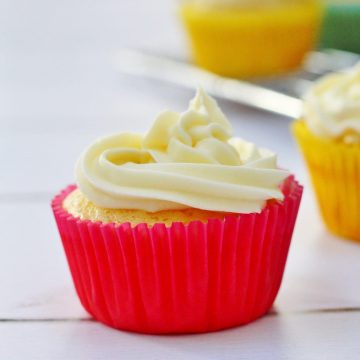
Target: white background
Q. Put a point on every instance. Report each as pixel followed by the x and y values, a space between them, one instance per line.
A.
pixel 59 91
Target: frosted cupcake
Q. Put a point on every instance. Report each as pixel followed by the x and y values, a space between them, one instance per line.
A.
pixel 244 38
pixel 329 137
pixel 341 28
pixel 184 229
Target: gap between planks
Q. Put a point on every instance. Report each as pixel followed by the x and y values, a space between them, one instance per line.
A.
pixel 271 313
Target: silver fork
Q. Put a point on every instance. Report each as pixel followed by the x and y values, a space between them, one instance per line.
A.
pixel 280 95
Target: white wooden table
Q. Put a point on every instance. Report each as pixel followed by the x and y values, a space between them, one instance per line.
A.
pixel 59 91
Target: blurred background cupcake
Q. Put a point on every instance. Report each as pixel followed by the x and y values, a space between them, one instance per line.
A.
pixel 329 137
pixel 244 38
pixel 341 26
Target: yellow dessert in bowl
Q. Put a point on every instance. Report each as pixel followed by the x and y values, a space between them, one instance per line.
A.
pixel 243 38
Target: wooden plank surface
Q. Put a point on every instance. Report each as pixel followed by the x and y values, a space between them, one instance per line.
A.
pixel 58 92
pixel 330 336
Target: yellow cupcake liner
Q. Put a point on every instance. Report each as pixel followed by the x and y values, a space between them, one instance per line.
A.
pixel 247 43
pixel 335 172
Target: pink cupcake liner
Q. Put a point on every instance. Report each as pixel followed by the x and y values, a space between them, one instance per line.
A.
pixel 190 278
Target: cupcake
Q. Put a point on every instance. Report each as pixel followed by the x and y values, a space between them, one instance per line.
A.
pixel 246 38
pixel 329 137
pixel 182 230
pixel 341 28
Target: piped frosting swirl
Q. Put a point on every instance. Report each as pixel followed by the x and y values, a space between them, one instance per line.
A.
pixel 185 160
pixel 332 106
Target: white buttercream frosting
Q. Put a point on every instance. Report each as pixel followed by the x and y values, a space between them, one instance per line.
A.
pixel 332 106
pixel 185 160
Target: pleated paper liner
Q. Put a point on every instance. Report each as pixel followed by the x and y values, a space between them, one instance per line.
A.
pixel 246 43
pixel 335 172
pixel 190 278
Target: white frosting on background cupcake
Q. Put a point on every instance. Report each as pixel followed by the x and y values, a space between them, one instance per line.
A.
pixel 332 106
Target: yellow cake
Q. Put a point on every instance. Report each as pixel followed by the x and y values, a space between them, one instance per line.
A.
pixel 80 207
